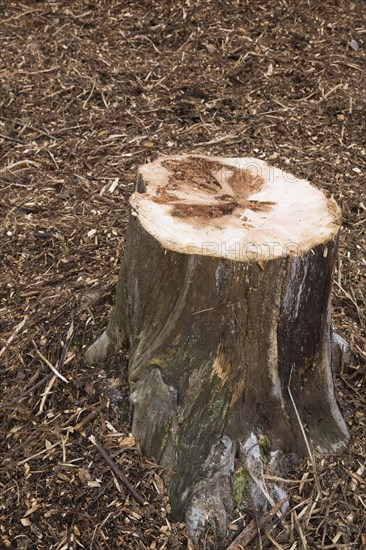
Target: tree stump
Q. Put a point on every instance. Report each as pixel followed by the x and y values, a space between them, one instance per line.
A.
pixel 223 300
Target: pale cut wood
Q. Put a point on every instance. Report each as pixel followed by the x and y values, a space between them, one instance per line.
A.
pixel 236 208
pixel 224 291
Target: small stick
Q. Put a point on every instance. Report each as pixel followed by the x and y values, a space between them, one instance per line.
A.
pixel 263 488
pixel 80 425
pixel 311 455
pixel 21 164
pixel 360 396
pixel 32 389
pixel 61 361
pixel 117 471
pixel 46 393
pixel 65 349
pixel 19 123
pixel 252 529
pixel 351 299
pixel 53 369
pixel 15 332
pixel 4 136
pixel 59 365
pixel 289 481
pixel 36 455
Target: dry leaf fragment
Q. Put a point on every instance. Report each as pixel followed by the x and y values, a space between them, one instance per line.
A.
pixel 357 477
pixel 63 477
pixel 113 186
pixel 27 473
pixel 337 537
pixel 129 441
pixel 95 483
pixel 13 430
pixel 165 529
pixel 92 297
pixel 119 488
pixel 159 483
pixel 37 531
pixel 110 427
pixel 31 510
pixel 134 515
pixel 269 70
pixel 84 475
pixel 25 522
pixel 354 45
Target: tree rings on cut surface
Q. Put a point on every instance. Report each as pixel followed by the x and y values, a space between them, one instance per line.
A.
pixel 236 208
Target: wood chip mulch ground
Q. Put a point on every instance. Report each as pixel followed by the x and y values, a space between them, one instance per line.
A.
pixel 89 91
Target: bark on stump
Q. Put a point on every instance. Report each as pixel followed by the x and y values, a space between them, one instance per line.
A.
pixel 223 300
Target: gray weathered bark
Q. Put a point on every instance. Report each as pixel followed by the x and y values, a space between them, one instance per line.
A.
pixel 213 344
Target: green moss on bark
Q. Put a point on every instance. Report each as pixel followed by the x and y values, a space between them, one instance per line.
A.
pixel 240 483
pixel 264 449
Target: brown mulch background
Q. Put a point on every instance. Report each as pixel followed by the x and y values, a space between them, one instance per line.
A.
pixel 89 91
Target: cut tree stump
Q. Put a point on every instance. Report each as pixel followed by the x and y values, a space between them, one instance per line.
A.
pixel 223 301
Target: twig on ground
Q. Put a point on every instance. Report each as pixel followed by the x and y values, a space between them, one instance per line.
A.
pixel 36 455
pixel 17 329
pixel 45 394
pixel 60 363
pixel 45 360
pixel 25 163
pixel 254 527
pixel 311 456
pixel 81 425
pixel 352 300
pixel 261 485
pixel 32 389
pixel 66 346
pixel 117 471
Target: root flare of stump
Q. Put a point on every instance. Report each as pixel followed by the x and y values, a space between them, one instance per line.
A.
pixel 216 329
